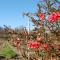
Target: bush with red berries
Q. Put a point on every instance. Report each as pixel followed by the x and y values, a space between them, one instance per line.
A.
pixel 46 40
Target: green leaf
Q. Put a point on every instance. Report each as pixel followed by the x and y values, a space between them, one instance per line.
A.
pixel 7 52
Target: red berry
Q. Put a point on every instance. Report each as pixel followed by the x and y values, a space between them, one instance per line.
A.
pixel 33 44
pixel 46 46
pixel 53 17
pixel 42 16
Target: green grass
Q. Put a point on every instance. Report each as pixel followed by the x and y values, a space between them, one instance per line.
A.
pixel 7 52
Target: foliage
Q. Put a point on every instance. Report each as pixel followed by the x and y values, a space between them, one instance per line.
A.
pixel 47 25
pixel 44 40
pixel 7 52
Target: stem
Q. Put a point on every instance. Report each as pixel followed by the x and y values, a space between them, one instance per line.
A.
pixel 57 25
pixel 42 58
pixel 48 5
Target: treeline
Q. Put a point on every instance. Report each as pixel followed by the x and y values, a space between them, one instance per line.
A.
pixel 7 31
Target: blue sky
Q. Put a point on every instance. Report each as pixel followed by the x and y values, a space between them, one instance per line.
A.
pixel 11 12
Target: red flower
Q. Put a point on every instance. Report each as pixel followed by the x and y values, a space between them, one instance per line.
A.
pixel 58 15
pixel 33 44
pixel 46 46
pixel 50 18
pixel 40 38
pixel 42 16
pixel 54 17
pixel 16 42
